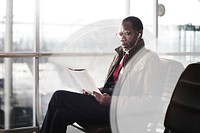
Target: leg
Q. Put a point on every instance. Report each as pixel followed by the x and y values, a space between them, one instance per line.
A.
pixel 60 120
pixel 66 108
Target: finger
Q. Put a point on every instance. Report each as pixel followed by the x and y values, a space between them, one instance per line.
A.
pixel 85 92
pixel 97 96
pixel 96 93
pixel 105 94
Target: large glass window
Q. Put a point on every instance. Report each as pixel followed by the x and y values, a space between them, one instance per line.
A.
pixel 23 25
pixel 16 93
pixel 60 19
pixel 82 33
pixel 179 30
pixel 144 10
pixel 17 79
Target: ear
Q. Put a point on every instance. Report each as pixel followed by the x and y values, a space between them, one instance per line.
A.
pixel 139 35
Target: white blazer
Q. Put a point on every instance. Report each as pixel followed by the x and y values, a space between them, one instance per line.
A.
pixel 137 92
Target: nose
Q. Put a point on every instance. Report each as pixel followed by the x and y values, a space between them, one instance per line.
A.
pixel 123 37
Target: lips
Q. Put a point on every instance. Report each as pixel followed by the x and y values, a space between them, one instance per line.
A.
pixel 124 45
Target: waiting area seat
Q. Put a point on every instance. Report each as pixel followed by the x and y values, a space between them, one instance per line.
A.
pixel 96 128
pixel 183 112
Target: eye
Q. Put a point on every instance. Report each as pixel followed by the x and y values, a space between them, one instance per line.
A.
pixel 121 33
pixel 127 33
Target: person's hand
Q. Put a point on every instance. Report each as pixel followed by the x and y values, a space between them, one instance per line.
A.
pixel 85 92
pixel 103 99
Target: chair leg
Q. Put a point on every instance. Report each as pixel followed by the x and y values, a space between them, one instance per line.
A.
pixel 94 128
pixel 78 127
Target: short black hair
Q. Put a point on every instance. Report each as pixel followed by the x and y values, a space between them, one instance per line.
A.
pixel 136 22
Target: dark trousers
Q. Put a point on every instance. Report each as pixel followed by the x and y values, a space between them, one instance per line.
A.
pixel 65 108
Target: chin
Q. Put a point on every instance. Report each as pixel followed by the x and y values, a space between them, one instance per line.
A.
pixel 125 49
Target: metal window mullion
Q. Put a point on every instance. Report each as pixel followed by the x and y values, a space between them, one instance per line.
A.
pixel 8 63
pixel 155 22
pixel 127 7
pixel 36 65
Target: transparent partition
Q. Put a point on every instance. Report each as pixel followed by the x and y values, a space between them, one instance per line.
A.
pixel 16 92
pixel 91 47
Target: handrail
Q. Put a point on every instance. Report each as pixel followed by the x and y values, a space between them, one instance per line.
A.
pixel 42 54
pixel 20 130
pixel 179 53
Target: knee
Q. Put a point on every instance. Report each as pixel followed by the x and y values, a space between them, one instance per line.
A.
pixel 56 98
pixel 57 93
pixel 60 94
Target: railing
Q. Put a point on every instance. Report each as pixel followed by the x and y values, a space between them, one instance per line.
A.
pixel 24 54
pixel 21 130
pixel 48 54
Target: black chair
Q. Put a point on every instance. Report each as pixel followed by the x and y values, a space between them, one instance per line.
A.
pixel 183 112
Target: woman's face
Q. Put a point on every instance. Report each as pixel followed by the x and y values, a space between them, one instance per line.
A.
pixel 128 36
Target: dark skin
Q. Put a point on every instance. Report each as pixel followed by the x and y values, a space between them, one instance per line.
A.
pixel 128 39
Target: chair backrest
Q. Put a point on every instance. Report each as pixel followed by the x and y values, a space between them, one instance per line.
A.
pixel 183 112
pixel 171 72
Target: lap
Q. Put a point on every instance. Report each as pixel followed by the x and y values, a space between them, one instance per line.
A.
pixel 85 107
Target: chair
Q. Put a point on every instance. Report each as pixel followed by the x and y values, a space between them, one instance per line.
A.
pixel 103 128
pixel 183 112
pixel 171 72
